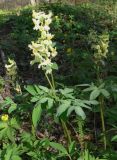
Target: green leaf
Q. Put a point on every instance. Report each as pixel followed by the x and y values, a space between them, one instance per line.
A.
pixel 81 104
pixel 94 94
pixel 55 66
pixel 88 89
pixel 31 90
pixel 15 157
pixel 102 86
pixel 114 138
pixel 10 134
pixel 66 90
pixel 45 89
pixel 70 110
pixel 79 111
pixel 3 133
pixel 8 154
pixel 71 147
pixel 12 108
pixel 32 154
pixel 8 100
pixel 63 107
pixel 94 102
pixel 105 93
pixel 50 103
pixel 83 85
pixel 14 123
pixel 45 142
pixel 58 147
pixel 36 115
pixel 91 88
pixel 37 88
pixel 43 100
pixel 3 125
pixel 35 98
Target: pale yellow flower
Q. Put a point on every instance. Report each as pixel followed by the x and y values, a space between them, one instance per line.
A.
pixel 43 50
pixel 49 36
pixel 11 68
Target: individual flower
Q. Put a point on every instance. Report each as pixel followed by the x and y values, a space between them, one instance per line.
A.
pixel 49 36
pixel 5 117
pixel 46 28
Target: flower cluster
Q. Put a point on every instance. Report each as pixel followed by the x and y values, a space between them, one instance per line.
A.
pixel 101 48
pixel 43 49
pixel 11 69
pixel 99 44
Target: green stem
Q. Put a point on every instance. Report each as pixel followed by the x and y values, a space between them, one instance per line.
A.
pixel 101 100
pixel 98 73
pixel 49 81
pixel 102 121
pixel 66 131
pixel 33 131
pixel 81 134
pixel 53 82
pixel 52 85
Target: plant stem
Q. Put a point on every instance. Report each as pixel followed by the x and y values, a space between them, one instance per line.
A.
pixel 66 131
pixel 81 134
pixel 101 101
pixel 52 85
pixel 53 82
pixel 33 131
pixel 49 81
pixel 98 73
pixel 102 120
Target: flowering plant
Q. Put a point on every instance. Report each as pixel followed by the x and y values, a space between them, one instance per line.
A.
pixel 11 69
pixel 43 49
pixel 4 117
